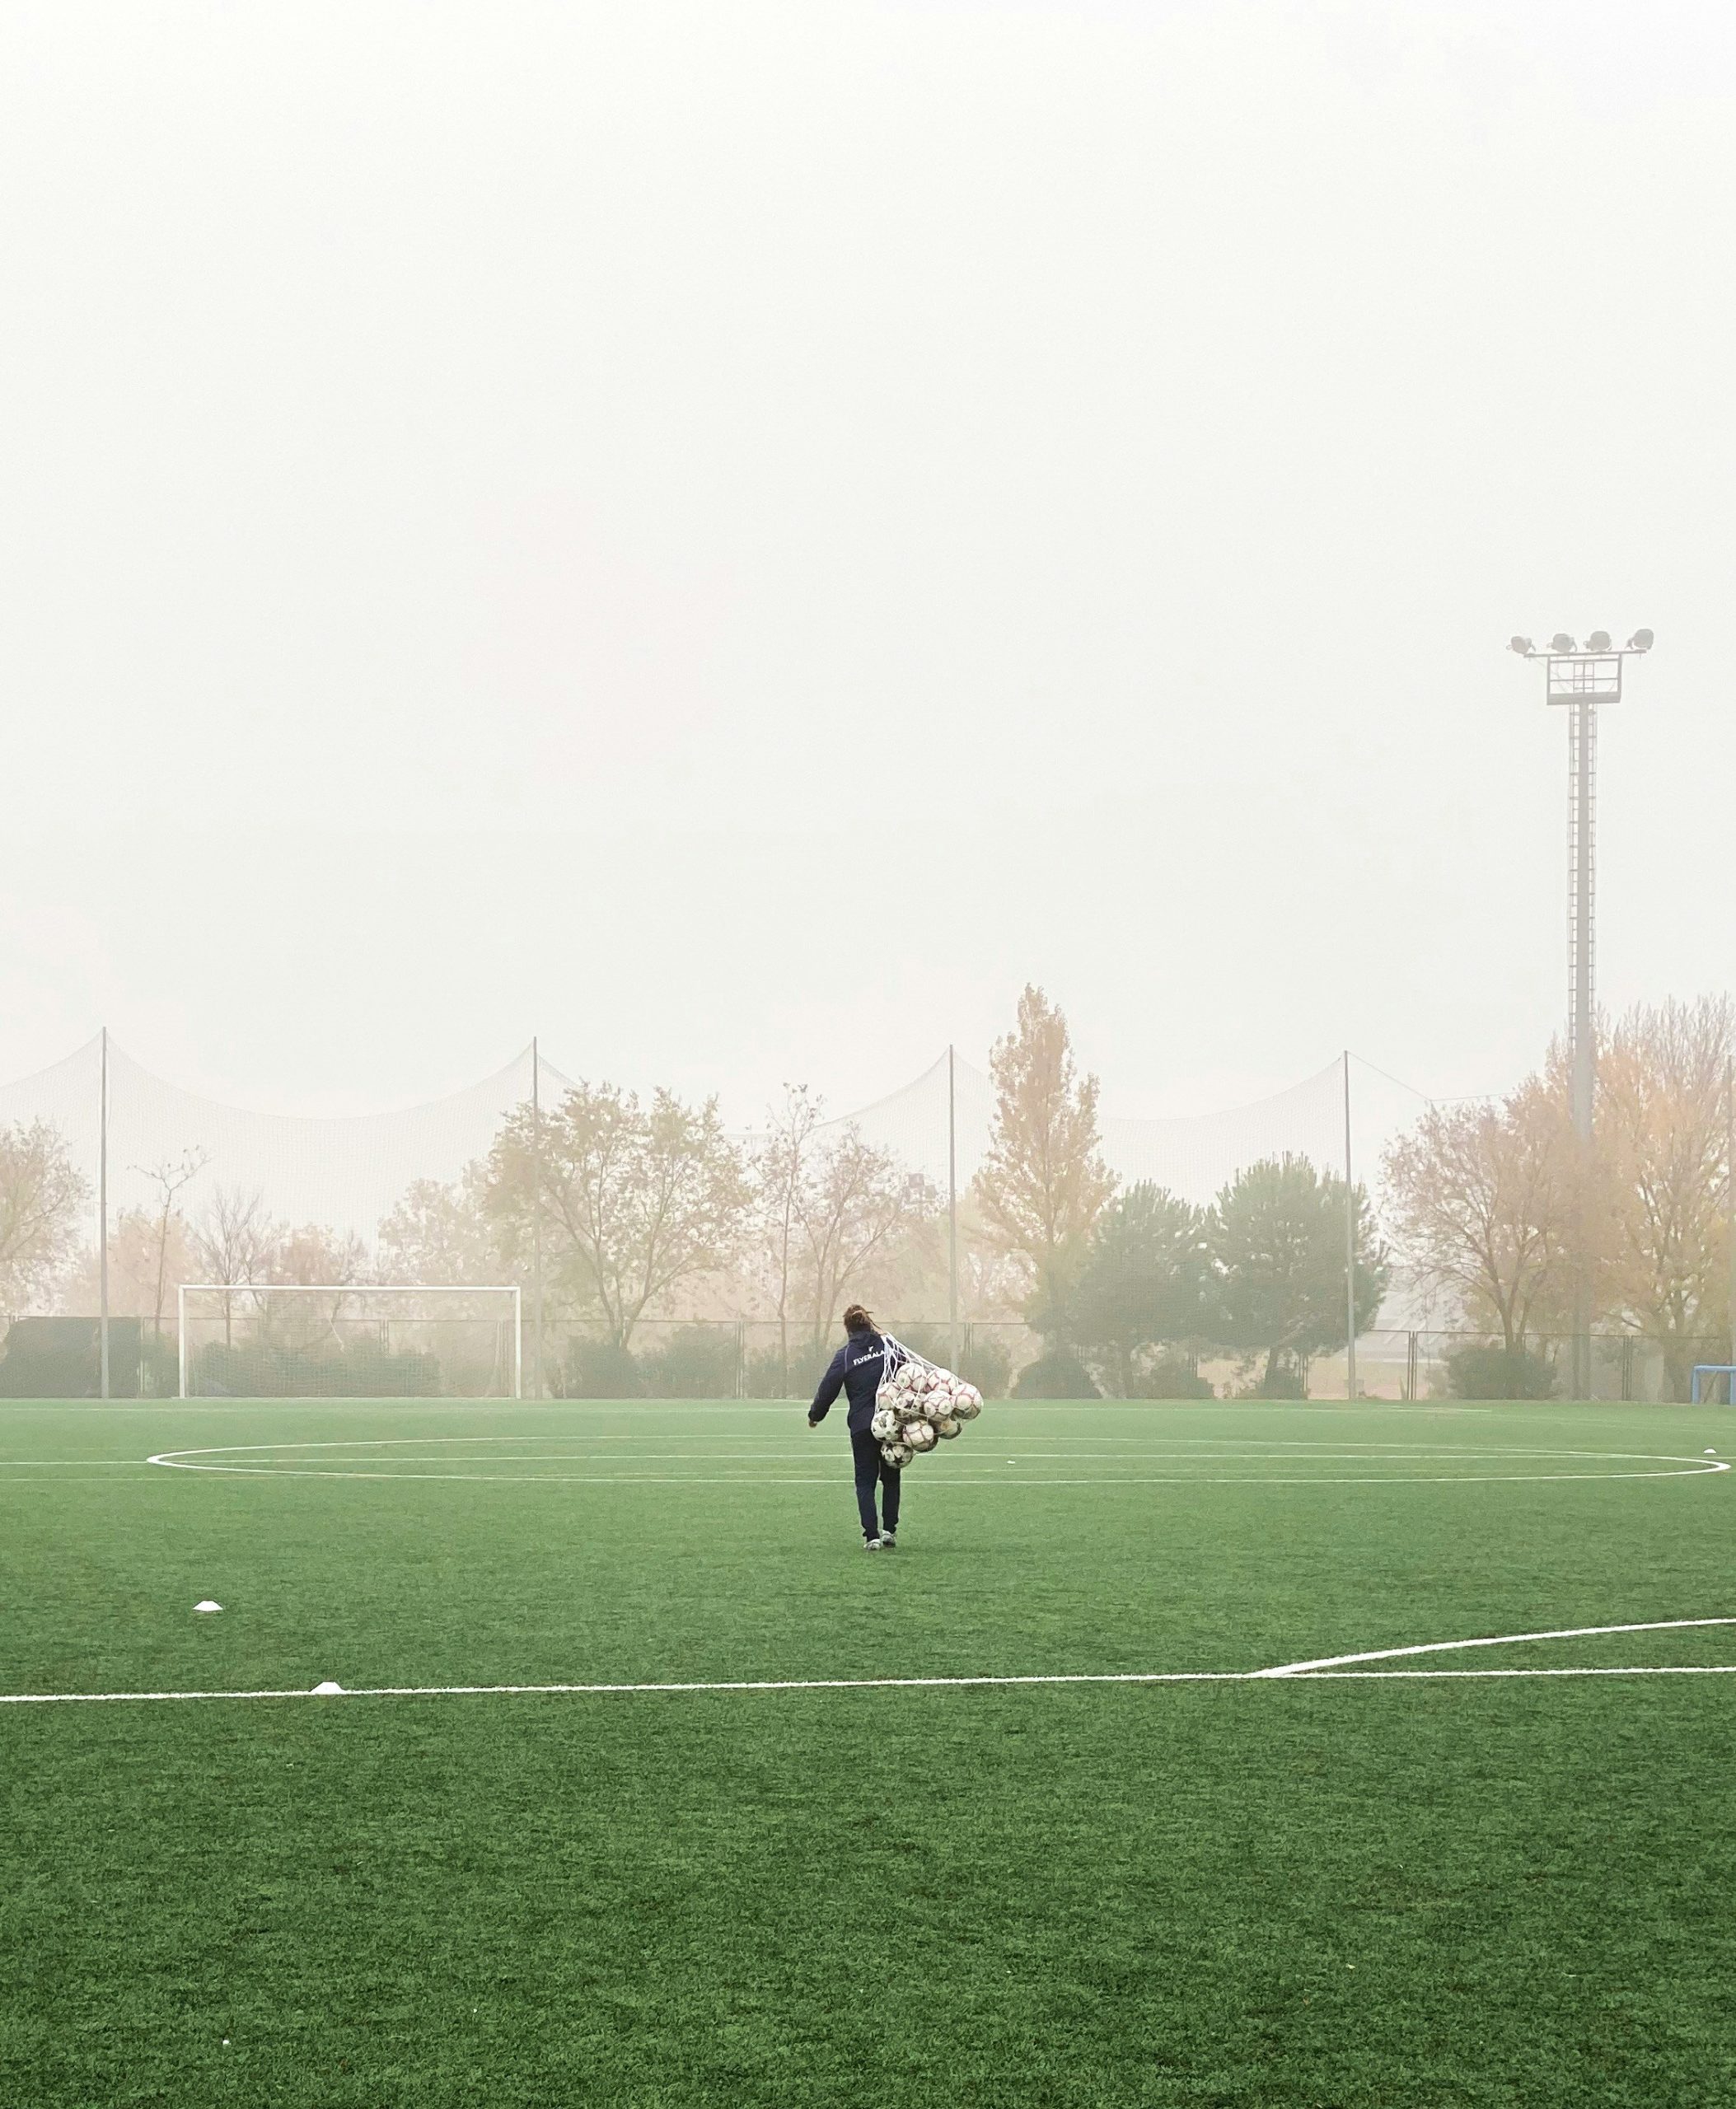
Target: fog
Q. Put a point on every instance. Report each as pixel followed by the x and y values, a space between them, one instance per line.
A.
pixel 732 537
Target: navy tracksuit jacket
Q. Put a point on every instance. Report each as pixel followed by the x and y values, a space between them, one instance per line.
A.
pixel 856 1370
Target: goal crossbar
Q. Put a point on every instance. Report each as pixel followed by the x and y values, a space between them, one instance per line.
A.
pixel 361 1289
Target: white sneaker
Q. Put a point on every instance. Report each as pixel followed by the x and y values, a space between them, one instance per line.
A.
pixel 871 1545
pixel 889 1541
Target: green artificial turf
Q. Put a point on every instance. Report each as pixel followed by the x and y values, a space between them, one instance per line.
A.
pixel 1369 1894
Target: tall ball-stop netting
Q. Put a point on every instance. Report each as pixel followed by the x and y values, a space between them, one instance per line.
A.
pixel 251 1253
pixel 942 1124
pixel 238 1253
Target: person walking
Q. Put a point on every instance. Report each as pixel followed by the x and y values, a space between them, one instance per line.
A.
pixel 856 1370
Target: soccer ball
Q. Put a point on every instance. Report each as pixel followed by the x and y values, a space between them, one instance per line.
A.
pixel 897 1454
pixel 884 1424
pixel 947 1427
pixel 969 1404
pixel 919 1434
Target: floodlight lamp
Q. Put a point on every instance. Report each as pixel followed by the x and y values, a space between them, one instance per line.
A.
pixel 1599 641
pixel 1523 645
pixel 1561 641
pixel 1640 641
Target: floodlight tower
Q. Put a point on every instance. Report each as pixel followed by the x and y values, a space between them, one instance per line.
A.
pixel 1580 678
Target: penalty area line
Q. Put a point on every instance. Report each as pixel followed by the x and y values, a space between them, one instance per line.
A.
pixel 1393 1676
pixel 1339 1663
pixel 1325 1668
pixel 601 1690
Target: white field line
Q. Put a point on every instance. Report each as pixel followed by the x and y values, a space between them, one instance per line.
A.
pixel 1182 1445
pixel 1496 1641
pixel 1691 1469
pixel 1406 1445
pixel 599 1690
pixel 669 1454
pixel 672 1453
pixel 958 1475
pixel 1241 1408
pixel 1323 1669
pixel 1654 1670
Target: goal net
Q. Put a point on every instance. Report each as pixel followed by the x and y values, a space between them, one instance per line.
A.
pixel 349 1340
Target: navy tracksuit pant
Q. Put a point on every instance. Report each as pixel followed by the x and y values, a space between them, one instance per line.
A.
pixel 871 1470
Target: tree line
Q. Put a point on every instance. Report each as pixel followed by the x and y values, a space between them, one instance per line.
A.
pixel 1498 1204
pixel 628 1210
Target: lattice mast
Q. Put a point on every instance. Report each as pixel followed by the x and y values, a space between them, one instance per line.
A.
pixel 1579 680
pixel 1582 882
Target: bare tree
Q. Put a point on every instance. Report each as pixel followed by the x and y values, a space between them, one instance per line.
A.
pixel 237 1239
pixel 1482 1200
pixel 856 1203
pixel 41 1194
pixel 1043 1183
pixel 782 1170
pixel 171 1177
pixel 316 1256
pixel 237 1242
pixel 313 1256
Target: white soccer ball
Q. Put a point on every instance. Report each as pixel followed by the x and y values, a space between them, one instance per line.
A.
pixel 897 1454
pixel 919 1434
pixel 885 1424
pixel 947 1427
pixel 969 1406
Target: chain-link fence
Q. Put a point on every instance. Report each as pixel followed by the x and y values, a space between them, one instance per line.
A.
pixel 57 1358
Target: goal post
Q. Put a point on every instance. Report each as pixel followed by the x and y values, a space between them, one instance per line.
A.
pixel 350 1340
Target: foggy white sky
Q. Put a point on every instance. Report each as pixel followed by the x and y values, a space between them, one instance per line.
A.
pixel 731 535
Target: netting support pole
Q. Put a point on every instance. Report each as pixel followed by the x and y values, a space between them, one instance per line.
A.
pixel 102 1223
pixel 1349 1245
pixel 952 1353
pixel 181 1334
pixel 536 1219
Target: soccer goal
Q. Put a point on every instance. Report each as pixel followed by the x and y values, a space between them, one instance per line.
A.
pixel 1715 1371
pixel 349 1340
